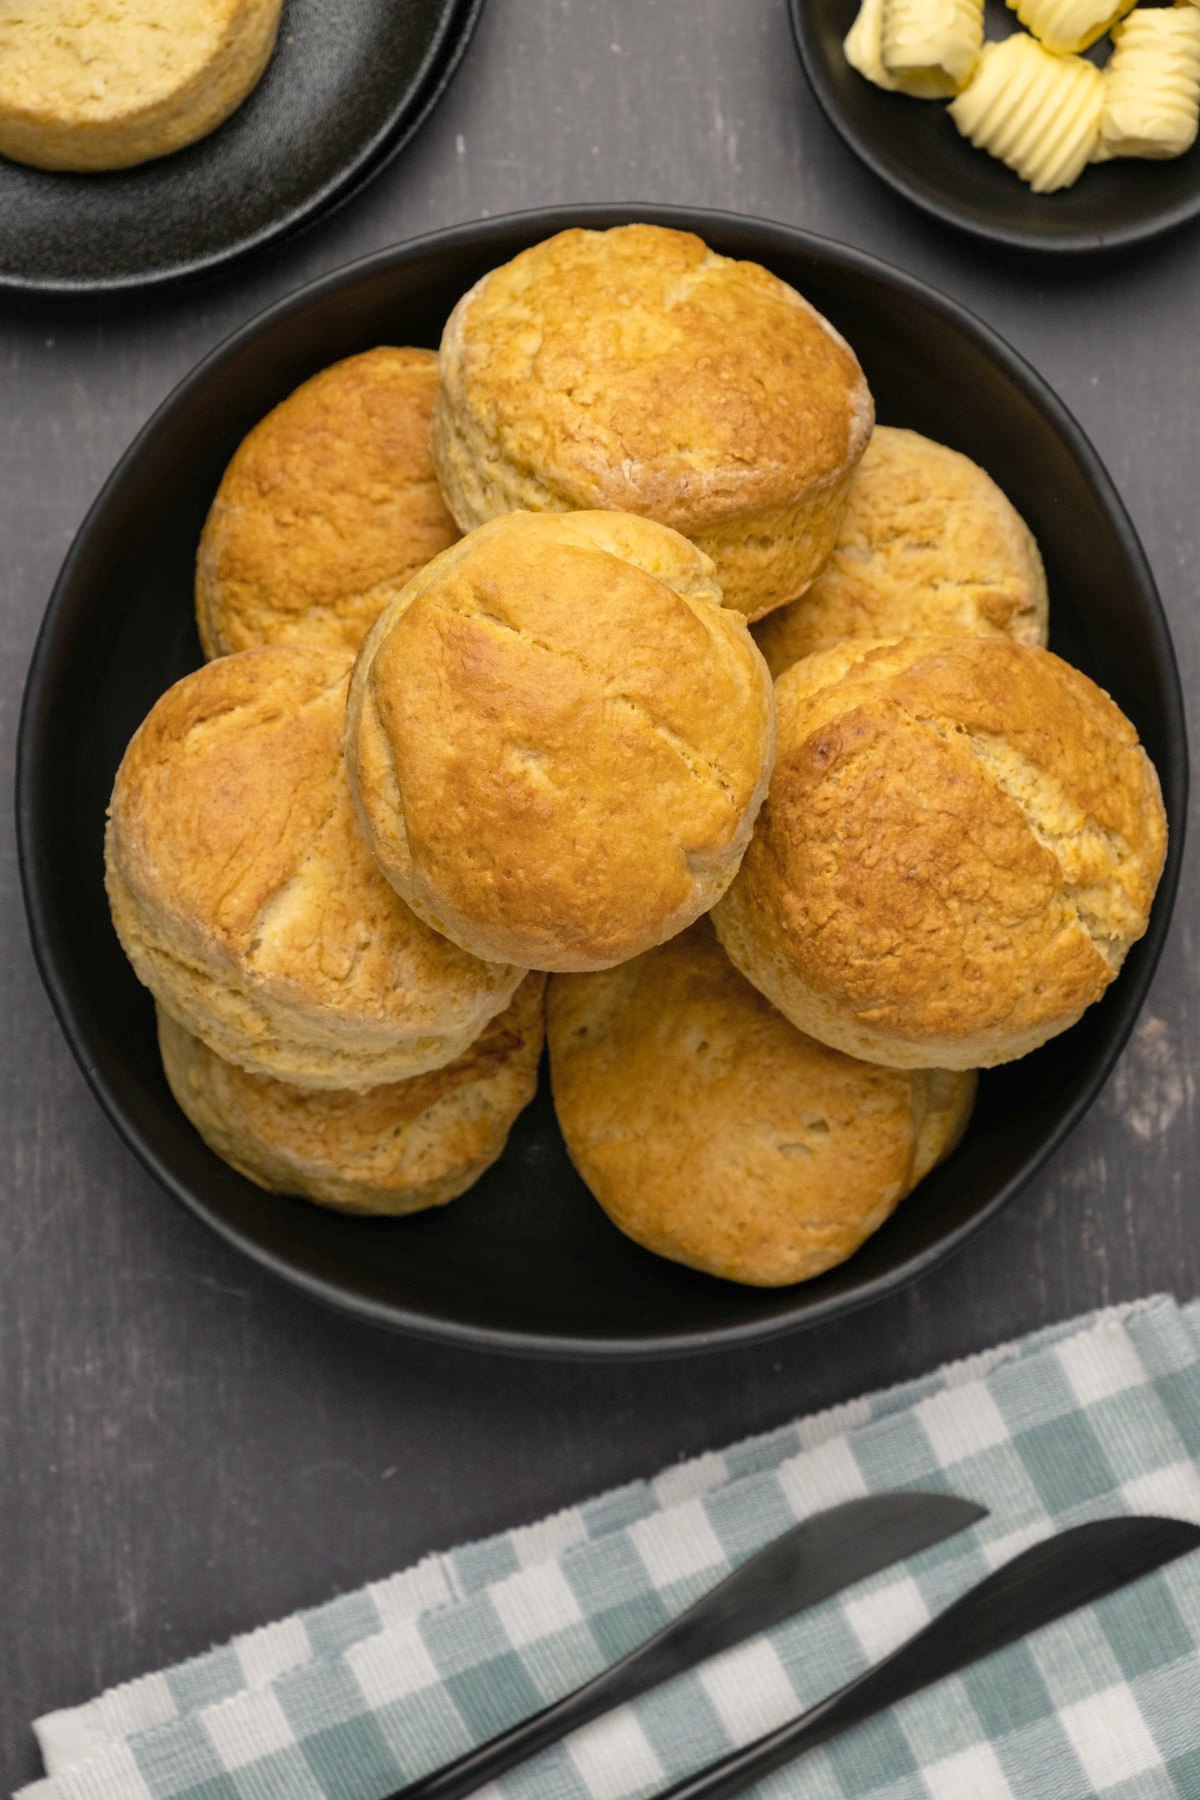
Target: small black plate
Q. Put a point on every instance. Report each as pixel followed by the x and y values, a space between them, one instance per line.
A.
pixel 345 90
pixel 916 148
pixel 527 1262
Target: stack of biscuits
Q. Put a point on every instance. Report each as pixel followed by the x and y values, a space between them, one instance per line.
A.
pixel 611 677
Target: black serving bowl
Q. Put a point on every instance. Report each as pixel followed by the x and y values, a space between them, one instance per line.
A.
pixel 527 1262
pixel 915 147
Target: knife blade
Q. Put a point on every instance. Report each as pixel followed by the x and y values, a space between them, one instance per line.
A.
pixel 1042 1584
pixel 805 1565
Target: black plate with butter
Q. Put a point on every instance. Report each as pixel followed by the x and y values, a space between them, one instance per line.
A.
pixel 916 148
pixel 345 89
pixel 527 1262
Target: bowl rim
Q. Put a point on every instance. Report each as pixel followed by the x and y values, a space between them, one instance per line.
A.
pixel 1124 1000
pixel 440 63
pixel 1081 243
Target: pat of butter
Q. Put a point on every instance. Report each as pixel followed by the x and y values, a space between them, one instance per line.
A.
pixel 930 47
pixel 862 47
pixel 1152 84
pixel 926 48
pixel 1037 112
pixel 1069 25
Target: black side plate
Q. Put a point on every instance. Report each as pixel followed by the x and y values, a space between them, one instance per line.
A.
pixel 347 87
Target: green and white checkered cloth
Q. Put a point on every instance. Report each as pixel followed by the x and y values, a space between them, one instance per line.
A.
pixel 350 1700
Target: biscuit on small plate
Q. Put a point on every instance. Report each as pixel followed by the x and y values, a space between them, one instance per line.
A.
pixel 245 896
pixel 391 1150
pixel 715 1134
pixel 559 738
pixel 86 86
pixel 326 509
pixel 637 370
pixel 962 839
pixel 928 544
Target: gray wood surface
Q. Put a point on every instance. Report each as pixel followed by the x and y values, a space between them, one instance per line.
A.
pixel 189 1449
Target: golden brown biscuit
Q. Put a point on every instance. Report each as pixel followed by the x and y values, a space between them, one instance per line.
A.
pixel 636 370
pixel 327 508
pixel 962 839
pixel 245 896
pixel 103 84
pixel 394 1149
pixel 714 1133
pixel 559 739
pixel 928 545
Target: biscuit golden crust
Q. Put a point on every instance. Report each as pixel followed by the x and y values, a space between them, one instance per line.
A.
pixel 636 370
pixel 715 1134
pixel 246 898
pixel 928 545
pixel 393 1150
pixel 962 839
pixel 326 510
pixel 559 740
pixel 100 84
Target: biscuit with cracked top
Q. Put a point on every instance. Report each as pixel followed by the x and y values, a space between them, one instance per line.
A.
pixel 714 1133
pixel 327 508
pixel 246 898
pixel 559 739
pixel 962 839
pixel 928 544
pixel 637 370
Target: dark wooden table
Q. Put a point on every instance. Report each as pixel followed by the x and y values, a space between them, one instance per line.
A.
pixel 190 1449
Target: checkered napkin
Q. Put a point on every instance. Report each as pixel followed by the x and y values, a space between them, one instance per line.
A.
pixel 350 1700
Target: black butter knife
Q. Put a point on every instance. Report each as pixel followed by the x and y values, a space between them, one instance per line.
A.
pixel 807 1564
pixel 1042 1584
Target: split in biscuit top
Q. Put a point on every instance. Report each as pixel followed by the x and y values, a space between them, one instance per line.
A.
pixel 233 827
pixel 962 839
pixel 559 738
pixel 326 509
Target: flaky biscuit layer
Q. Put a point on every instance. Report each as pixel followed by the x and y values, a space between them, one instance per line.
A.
pixel 962 839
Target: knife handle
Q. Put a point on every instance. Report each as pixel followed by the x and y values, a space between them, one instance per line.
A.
pixel 1037 1587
